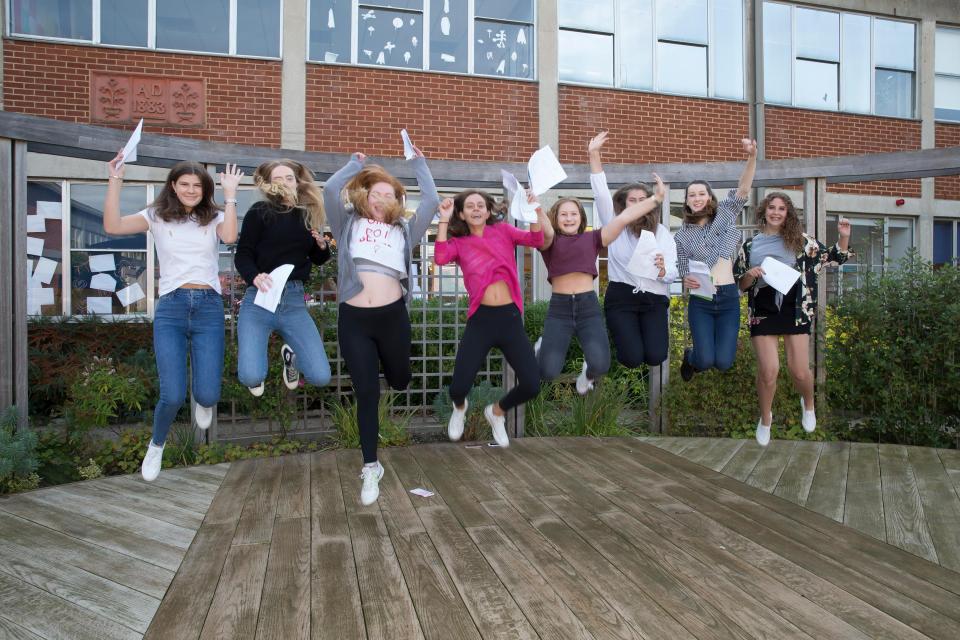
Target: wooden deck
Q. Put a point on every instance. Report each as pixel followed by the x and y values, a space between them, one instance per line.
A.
pixel 906 496
pixel 551 538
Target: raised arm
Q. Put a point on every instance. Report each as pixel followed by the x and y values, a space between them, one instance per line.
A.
pixel 602 200
pixel 333 203
pixel 444 251
pixel 612 229
pixel 746 178
pixel 113 222
pixel 542 223
pixel 429 200
pixel 229 180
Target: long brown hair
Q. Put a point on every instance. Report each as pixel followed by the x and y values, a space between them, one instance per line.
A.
pixel 791 231
pixel 555 211
pixel 708 211
pixel 358 193
pixel 646 223
pixel 168 205
pixel 307 198
pixel 458 226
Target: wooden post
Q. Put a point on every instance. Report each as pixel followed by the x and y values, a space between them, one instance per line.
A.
pixel 13 279
pixel 815 224
pixel 659 377
pixel 7 258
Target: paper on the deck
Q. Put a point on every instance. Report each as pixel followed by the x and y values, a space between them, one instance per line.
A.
pixel 129 153
pixel 271 298
pixel 131 294
pixel 48 209
pixel 34 246
pixel 102 262
pixel 778 275
pixel 103 282
pixel 642 261
pixel 700 272
pixel 544 171
pixel 408 151
pixel 98 304
pixel 423 493
pixel 44 271
pixel 36 224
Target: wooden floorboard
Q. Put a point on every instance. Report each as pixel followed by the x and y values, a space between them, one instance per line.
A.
pixel 829 486
pixel 906 522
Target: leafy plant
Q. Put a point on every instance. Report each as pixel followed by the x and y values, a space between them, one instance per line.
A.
pixel 475 426
pixel 18 455
pixel 125 454
pixel 103 391
pixel 560 411
pixel 90 471
pixel 393 423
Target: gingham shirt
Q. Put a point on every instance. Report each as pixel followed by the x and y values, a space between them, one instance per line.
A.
pixel 714 240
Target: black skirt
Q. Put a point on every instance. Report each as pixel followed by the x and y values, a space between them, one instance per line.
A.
pixel 767 320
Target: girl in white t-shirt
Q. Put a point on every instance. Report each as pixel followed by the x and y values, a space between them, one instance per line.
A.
pixel 187 226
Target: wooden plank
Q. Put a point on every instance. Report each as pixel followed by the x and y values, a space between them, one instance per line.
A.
pixel 294 501
pixel 829 488
pixel 12 631
pixel 766 474
pixel 335 607
pixel 455 495
pixel 260 507
pixel 699 448
pixel 154 507
pixel 285 605
pixel 863 505
pixel 236 602
pixel 51 617
pixel 8 257
pixel 720 453
pixel 183 610
pixel 941 506
pixel 150 491
pixel 903 510
pixel 951 462
pixel 572 477
pixel 797 477
pixel 743 462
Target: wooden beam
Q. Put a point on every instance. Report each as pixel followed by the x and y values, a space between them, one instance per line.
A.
pixel 20 364
pixel 6 272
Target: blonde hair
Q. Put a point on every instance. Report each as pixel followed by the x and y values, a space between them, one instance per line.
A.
pixel 307 196
pixel 358 193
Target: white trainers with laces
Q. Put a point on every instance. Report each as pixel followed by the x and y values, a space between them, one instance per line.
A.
pixel 498 425
pixel 584 384
pixel 763 432
pixel 807 418
pixel 152 462
pixel 204 416
pixel 536 346
pixel 257 391
pixel 291 375
pixel 370 490
pixel 457 418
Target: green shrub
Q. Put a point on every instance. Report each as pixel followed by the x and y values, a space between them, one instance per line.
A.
pixel 475 426
pixel 125 454
pixel 560 411
pixel 102 392
pixel 90 471
pixel 393 423
pixel 18 455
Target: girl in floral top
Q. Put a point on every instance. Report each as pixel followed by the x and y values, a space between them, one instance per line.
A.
pixel 772 314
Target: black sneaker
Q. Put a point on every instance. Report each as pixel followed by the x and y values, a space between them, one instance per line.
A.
pixel 291 376
pixel 686 369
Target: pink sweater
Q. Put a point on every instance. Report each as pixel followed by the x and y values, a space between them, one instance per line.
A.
pixel 486 259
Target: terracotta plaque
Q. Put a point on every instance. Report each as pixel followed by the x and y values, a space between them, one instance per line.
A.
pixel 159 100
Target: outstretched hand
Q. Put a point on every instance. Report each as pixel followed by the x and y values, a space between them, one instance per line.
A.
pixel 597 142
pixel 844 227
pixel 115 167
pixel 749 147
pixel 230 179
pixel 660 189
pixel 446 209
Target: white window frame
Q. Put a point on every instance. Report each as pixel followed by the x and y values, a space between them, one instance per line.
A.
pixel 151 33
pixel 943 75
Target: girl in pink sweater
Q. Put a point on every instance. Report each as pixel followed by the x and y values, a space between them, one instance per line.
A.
pixel 485 249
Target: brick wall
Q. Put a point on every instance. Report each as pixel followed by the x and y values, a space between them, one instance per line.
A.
pixel 650 127
pixel 947 187
pixel 53 80
pixel 448 116
pixel 800 133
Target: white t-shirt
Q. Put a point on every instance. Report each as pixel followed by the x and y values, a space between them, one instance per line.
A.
pixel 379 242
pixel 188 253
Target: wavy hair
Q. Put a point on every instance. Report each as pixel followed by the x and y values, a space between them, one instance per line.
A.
pixel 791 231
pixel 307 197
pixel 168 206
pixel 646 223
pixel 458 226
pixel 708 211
pixel 555 211
pixel 358 193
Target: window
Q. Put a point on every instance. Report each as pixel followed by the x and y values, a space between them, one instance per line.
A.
pixel 878 245
pixel 947 69
pixel 235 27
pixel 946 242
pixel 484 37
pixel 689 47
pixel 838 61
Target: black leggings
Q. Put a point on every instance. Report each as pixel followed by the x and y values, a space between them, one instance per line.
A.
pixel 638 325
pixel 491 327
pixel 369 337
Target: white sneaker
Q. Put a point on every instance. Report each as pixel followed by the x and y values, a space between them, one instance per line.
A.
pixel 457 418
pixel 808 418
pixel 370 490
pixel 152 462
pixel 204 416
pixel 584 384
pixel 498 424
pixel 763 433
pixel 291 375
pixel 536 346
pixel 257 391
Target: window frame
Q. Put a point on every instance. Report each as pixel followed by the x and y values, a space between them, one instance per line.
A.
pixel 151 33
pixel 954 76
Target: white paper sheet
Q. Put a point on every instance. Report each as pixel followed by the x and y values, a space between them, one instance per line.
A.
pixel 520 209
pixel 103 282
pixel 642 261
pixel 97 304
pixel 544 171
pixel 102 262
pixel 44 271
pixel 34 246
pixel 700 271
pixel 49 209
pixel 29 271
pixel 36 224
pixel 129 153
pixel 131 294
pixel 40 295
pixel 271 298
pixel 408 151
pixel 423 493
pixel 778 275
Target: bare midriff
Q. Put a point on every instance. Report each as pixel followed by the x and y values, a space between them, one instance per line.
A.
pixel 722 272
pixel 378 290
pixel 496 294
pixel 572 283
pixel 195 285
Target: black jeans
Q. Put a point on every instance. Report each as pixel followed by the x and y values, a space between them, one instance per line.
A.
pixel 369 337
pixel 491 327
pixel 637 324
pixel 569 314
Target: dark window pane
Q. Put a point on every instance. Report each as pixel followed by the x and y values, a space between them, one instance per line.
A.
pixel 942 242
pixel 86 217
pixel 390 38
pixel 123 22
pixel 258 28
pixel 53 18
pixel 95 292
pixel 448 35
pixel 330 30
pixel 894 93
pixel 502 49
pixel 193 25
pixel 519 10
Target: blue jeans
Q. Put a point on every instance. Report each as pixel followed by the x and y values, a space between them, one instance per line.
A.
pixel 571 314
pixel 194 315
pixel 294 323
pixel 714 326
